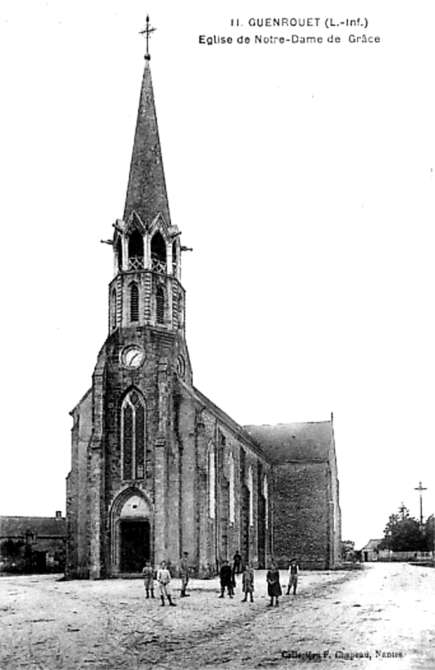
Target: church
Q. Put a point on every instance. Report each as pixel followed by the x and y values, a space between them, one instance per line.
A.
pixel 157 469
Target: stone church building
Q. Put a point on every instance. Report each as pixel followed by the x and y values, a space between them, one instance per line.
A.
pixel 157 468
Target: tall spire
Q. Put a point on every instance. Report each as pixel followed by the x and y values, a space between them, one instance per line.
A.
pixel 146 192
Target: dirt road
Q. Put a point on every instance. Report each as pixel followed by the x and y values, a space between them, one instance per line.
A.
pixel 380 617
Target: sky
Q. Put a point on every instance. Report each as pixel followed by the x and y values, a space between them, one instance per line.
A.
pixel 303 177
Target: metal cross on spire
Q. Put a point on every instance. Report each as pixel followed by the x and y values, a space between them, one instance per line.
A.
pixel 421 488
pixel 147 32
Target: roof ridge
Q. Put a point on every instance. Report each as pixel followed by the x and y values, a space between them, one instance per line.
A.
pixel 291 423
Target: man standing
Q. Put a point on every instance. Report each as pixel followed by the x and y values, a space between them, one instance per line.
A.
pixel 226 579
pixel 293 573
pixel 237 562
pixel 184 574
pixel 164 579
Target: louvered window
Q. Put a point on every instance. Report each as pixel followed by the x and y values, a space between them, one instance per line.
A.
pixel 160 305
pixel 134 303
pixel 113 310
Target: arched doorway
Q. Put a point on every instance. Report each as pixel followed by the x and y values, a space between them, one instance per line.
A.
pixel 131 532
pixel 134 544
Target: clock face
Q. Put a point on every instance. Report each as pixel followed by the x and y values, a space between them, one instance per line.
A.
pixel 133 357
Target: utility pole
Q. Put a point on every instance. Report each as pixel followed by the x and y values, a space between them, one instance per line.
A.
pixel 421 488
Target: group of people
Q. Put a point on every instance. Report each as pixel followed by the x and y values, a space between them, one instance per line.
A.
pixel 163 577
pixel 227 577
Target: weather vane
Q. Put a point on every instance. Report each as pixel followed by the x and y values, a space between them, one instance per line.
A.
pixel 147 32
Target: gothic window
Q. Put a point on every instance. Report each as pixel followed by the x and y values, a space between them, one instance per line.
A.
pixel 180 310
pixel 242 463
pixel 158 253
pixel 232 490
pixel 113 310
pixel 133 436
pixel 251 497
pixel 181 366
pixel 160 305
pixel 135 251
pixel 174 258
pixel 119 254
pixel 211 482
pixel 134 302
pixel 266 498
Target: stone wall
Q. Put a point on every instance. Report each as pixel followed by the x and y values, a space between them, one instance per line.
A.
pixel 300 514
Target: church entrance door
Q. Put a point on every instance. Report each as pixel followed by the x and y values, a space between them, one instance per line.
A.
pixel 135 545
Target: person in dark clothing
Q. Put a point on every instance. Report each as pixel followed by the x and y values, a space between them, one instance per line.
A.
pixel 273 583
pixel 226 579
pixel 237 563
pixel 184 574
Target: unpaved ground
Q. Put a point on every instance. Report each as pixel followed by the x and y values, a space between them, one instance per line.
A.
pixel 383 609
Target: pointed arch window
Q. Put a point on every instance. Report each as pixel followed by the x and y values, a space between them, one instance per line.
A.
pixel 113 308
pixel 119 255
pixel 133 439
pixel 180 310
pixel 134 302
pixel 174 258
pixel 250 484
pixel 232 505
pixel 158 253
pixel 135 251
pixel 211 481
pixel 266 498
pixel 160 305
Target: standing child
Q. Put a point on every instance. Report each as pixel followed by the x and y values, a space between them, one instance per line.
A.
pixel 273 583
pixel 248 583
pixel 148 579
pixel 293 573
pixel 164 579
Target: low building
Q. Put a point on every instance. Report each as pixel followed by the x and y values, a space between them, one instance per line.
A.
pixel 370 552
pixel 33 543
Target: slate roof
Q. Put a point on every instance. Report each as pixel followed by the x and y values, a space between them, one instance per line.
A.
pixel 229 422
pixel 146 191
pixel 371 545
pixel 294 442
pixel 40 526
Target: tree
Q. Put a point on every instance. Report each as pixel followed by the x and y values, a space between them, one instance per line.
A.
pixel 11 548
pixel 347 550
pixel 403 532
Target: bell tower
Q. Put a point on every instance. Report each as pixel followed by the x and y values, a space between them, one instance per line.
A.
pixel 146 289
